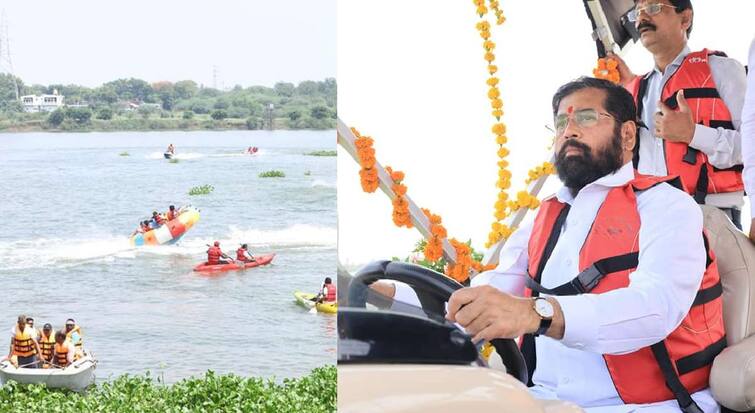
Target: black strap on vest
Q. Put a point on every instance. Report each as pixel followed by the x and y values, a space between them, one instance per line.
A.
pixel 528 340
pixel 590 277
pixel 640 95
pixel 693 93
pixel 672 379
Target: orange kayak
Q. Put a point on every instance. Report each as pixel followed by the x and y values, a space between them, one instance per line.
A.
pixel 235 266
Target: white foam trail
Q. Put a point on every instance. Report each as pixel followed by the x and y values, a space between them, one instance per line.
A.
pixel 63 253
pixel 319 183
pixel 180 155
pixel 43 252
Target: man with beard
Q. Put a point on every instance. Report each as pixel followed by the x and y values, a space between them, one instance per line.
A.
pixel 646 295
pixel 690 106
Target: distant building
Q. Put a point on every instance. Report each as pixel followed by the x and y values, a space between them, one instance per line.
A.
pixel 42 103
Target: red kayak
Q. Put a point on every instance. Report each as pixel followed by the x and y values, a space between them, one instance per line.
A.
pixel 235 266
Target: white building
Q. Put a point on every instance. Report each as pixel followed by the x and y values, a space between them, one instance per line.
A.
pixel 42 103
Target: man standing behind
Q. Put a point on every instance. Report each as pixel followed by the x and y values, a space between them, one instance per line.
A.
pixel 23 344
pixel 690 105
pixel 748 137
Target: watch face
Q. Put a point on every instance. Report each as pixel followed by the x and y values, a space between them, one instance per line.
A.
pixel 544 308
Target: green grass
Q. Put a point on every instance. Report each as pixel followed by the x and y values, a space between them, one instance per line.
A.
pixel 322 153
pixel 315 392
pixel 201 190
pixel 272 174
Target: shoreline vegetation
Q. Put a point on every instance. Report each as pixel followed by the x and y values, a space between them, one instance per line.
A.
pixel 314 392
pixel 136 105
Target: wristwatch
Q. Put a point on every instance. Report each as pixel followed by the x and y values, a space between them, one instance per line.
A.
pixel 544 310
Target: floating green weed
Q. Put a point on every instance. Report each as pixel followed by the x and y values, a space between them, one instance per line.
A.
pixel 173 160
pixel 307 173
pixel 272 174
pixel 124 154
pixel 201 190
pixel 322 153
pixel 315 392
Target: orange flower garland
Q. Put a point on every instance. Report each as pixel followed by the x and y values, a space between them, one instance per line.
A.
pixel 434 246
pixel 607 69
pixel 401 216
pixel 368 175
pixel 460 270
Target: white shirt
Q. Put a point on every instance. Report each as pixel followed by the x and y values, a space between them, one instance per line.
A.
pixel 723 146
pixel 748 132
pixel 660 293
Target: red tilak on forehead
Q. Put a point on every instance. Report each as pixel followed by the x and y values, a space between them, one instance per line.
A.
pixel 570 109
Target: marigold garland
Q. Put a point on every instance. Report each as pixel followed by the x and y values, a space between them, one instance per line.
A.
pixel 434 246
pixel 401 216
pixel 368 175
pixel 607 69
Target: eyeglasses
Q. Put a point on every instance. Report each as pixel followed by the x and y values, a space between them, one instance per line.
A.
pixel 584 118
pixel 651 10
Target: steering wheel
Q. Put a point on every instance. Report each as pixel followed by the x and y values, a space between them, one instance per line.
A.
pixel 433 290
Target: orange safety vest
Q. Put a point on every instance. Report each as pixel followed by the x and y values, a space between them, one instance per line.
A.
pixel 46 345
pixel 679 363
pixel 61 354
pixel 698 176
pixel 213 255
pixel 240 254
pixel 171 215
pixel 331 296
pixel 23 345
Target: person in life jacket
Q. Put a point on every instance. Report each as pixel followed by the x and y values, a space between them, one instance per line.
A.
pixel 74 335
pixel 612 287
pixel 215 255
pixel 63 350
pixel 327 293
pixel 690 106
pixel 46 341
pixel 172 213
pixel 23 344
pixel 170 149
pixel 30 324
pixel 157 220
pixel 243 254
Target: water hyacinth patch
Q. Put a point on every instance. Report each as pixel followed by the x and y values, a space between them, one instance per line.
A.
pixel 315 392
pixel 201 190
pixel 272 174
pixel 322 153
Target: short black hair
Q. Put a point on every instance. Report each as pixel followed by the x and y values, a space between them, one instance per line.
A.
pixel 328 280
pixel 618 102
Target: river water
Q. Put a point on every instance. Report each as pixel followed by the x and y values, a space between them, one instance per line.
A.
pixel 69 202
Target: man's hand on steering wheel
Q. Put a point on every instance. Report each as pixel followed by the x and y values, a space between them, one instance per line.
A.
pixel 487 313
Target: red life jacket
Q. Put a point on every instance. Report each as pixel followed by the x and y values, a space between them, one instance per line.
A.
pixel 607 257
pixel 213 255
pixel 698 176
pixel 158 219
pixel 241 255
pixel 331 296
pixel 171 215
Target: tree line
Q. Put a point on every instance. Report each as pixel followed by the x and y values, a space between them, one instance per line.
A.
pixel 308 105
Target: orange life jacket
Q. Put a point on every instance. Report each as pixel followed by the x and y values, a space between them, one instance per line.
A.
pixel 171 215
pixel 241 255
pixel 158 219
pixel 213 255
pixel 607 257
pixel 331 296
pixel 46 345
pixel 698 176
pixel 23 345
pixel 69 336
pixel 61 354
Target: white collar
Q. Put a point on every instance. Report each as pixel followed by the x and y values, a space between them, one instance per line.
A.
pixel 674 64
pixel 619 178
